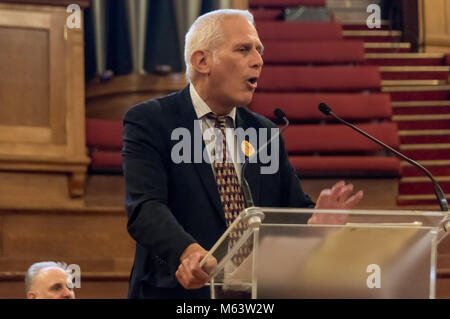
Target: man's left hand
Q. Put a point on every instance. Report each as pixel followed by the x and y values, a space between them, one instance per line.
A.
pixel 338 197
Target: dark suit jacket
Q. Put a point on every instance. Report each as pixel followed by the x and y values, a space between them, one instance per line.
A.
pixel 171 206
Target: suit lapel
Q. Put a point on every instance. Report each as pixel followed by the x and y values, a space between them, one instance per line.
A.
pixel 187 117
pixel 252 171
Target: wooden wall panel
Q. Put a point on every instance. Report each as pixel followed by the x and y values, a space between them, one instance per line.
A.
pixel 42 117
pixel 62 236
pixel 434 19
pixel 35 190
pixel 24 77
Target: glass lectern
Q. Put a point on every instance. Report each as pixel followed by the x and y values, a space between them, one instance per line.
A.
pixel 374 254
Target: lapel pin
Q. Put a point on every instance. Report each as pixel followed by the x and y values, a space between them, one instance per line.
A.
pixel 247 148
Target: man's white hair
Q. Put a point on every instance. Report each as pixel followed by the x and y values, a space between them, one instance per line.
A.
pixel 36 268
pixel 205 33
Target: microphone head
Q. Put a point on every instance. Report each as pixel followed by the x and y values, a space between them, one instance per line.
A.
pixel 279 114
pixel 324 109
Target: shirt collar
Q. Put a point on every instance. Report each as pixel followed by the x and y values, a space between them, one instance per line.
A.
pixel 201 108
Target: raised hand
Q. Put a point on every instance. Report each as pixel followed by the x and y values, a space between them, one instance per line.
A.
pixel 335 198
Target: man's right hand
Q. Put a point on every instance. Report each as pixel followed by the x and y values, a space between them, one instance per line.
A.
pixel 189 274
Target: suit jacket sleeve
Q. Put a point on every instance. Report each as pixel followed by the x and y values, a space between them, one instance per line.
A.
pixel 145 156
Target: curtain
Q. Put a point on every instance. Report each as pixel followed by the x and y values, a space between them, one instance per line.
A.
pixel 126 36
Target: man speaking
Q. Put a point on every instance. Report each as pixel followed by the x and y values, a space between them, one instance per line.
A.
pixel 178 210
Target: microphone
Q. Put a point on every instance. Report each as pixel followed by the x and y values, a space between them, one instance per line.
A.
pixel 244 184
pixel 325 109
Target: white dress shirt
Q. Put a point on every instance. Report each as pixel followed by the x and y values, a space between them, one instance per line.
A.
pixel 202 110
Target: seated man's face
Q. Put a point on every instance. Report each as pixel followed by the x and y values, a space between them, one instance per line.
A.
pixel 237 63
pixel 51 283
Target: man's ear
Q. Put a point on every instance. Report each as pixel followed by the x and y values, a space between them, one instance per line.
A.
pixel 31 295
pixel 201 61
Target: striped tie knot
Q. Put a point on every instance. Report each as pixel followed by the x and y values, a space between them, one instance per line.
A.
pixel 220 120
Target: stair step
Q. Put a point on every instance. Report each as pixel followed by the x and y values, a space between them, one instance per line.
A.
pixel 422 121
pixel 412 82
pixel 425 146
pixel 387 47
pixel 428 154
pixel 415 73
pixel 436 167
pixel 362 25
pixel 419 198
pixel 405 59
pixel 416 139
pixel 304 31
pixel 324 78
pixel 313 52
pixel 421 107
pixel 402 104
pixel 342 15
pixel 351 4
pixel 372 35
pixel 423 132
pixel 423 125
pixel 405 133
pixel 417 93
pixel 424 187
pixel 425 110
pixel 431 163
pixel 405 55
pixel 421 117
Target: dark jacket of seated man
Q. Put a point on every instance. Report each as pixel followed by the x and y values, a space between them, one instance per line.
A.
pixel 171 206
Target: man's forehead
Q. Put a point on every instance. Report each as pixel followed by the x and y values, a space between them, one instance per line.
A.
pixel 238 24
pixel 52 272
pixel 239 29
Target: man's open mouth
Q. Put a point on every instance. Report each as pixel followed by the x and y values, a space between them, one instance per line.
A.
pixel 253 82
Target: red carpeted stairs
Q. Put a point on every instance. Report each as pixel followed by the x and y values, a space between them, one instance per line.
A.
pixel 315 58
pixel 419 89
pixel 311 62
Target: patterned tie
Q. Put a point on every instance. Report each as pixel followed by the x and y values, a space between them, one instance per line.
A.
pixel 229 188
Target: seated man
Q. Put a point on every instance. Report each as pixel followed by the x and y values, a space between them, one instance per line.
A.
pixel 47 280
pixel 179 205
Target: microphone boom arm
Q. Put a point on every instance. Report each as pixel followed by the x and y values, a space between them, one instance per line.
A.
pixel 437 188
pixel 246 187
